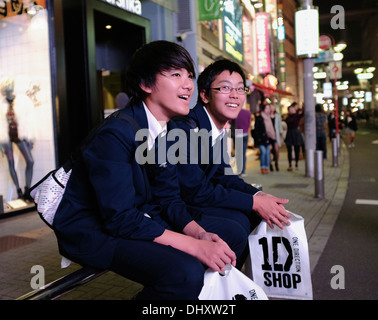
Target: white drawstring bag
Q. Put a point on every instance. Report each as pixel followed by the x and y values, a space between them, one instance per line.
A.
pixel 280 260
pixel 232 285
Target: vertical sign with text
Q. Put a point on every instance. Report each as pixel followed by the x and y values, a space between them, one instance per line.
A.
pixel 262 43
pixel 233 29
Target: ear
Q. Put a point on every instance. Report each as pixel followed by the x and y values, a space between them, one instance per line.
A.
pixel 145 88
pixel 204 96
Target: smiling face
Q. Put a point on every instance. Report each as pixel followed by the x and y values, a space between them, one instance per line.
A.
pixel 170 95
pixel 291 110
pixel 224 106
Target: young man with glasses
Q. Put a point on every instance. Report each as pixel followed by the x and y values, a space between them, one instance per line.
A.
pixel 210 185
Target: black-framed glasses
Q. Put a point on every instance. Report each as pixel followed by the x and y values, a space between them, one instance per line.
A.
pixel 228 89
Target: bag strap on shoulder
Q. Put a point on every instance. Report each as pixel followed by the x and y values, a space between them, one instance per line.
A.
pixel 187 120
pixel 67 166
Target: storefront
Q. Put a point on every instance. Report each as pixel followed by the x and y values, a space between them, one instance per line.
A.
pixel 62 67
pixel 26 97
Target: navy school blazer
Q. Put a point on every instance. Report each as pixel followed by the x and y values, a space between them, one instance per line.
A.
pixel 109 194
pixel 205 184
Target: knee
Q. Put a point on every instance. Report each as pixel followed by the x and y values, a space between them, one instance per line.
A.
pixel 237 237
pixel 187 279
pixel 30 163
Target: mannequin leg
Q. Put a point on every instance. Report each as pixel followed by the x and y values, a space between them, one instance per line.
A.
pixel 8 149
pixel 25 148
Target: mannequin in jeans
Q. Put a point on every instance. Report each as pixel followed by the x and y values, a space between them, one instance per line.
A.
pixel 19 138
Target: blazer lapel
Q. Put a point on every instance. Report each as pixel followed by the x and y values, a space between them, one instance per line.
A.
pixel 204 123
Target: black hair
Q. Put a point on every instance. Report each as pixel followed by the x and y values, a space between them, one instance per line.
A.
pixel 318 108
pixel 151 59
pixel 208 75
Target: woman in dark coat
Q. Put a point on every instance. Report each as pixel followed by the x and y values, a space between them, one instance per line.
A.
pixel 293 138
pixel 350 128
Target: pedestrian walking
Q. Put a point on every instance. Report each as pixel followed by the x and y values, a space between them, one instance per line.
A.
pixel 331 125
pixel 321 122
pixel 264 135
pixel 294 137
pixel 277 125
pixel 350 128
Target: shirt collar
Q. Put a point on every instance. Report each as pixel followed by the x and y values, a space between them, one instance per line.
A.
pixel 154 127
pixel 215 132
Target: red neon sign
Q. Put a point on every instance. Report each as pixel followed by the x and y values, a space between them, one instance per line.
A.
pixel 262 43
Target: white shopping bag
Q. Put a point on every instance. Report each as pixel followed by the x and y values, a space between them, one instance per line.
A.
pixel 280 260
pixel 233 285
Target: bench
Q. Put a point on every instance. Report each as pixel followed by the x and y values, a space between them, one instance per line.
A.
pixel 62 286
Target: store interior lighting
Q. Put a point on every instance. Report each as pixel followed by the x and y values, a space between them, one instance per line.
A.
pixel 257 4
pixel 364 74
pixel 34 8
pixel 340 46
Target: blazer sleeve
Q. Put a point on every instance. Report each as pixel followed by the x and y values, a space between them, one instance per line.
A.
pixel 165 188
pixel 116 179
pixel 198 188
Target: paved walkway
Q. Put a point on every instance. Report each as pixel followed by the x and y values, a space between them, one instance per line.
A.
pixel 26 241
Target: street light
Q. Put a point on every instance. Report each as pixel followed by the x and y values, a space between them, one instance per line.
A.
pixel 364 74
pixel 340 46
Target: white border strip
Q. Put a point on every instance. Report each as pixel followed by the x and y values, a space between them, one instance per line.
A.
pixel 367 201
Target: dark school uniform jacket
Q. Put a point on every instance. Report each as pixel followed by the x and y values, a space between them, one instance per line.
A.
pixel 205 184
pixel 109 197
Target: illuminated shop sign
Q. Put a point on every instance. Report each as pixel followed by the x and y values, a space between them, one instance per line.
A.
pixel 281 32
pixel 307 43
pixel 209 10
pixel 16 7
pixel 133 6
pixel 232 29
pixel 247 40
pixel 262 43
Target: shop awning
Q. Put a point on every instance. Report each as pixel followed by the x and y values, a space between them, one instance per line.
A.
pixel 271 91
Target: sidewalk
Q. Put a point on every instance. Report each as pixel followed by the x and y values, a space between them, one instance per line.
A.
pixel 26 241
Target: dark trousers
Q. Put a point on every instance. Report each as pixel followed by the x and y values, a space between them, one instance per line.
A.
pixel 246 221
pixel 168 273
pixel 290 156
pixel 321 143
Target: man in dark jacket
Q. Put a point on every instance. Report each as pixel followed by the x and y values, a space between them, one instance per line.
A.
pixel 211 185
pixel 120 214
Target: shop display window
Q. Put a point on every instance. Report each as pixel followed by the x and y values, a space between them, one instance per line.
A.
pixel 25 83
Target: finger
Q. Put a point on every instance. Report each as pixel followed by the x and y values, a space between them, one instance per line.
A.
pixel 280 200
pixel 288 215
pixel 284 222
pixel 279 225
pixel 220 265
pixel 282 217
pixel 229 256
pixel 215 237
pixel 285 217
pixel 228 260
pixel 215 267
pixel 232 257
pixel 277 222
